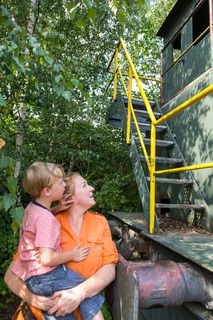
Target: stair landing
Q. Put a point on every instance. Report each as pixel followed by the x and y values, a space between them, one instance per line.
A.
pixel 190 243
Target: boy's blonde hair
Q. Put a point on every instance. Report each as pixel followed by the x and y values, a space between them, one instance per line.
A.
pixel 40 175
pixel 69 179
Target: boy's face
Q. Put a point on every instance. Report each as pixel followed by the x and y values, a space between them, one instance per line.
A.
pixel 57 189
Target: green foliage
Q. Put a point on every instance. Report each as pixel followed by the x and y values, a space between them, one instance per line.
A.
pixel 106 313
pixel 100 154
pixel 10 214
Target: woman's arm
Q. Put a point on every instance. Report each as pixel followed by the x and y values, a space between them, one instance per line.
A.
pixel 70 299
pixel 18 287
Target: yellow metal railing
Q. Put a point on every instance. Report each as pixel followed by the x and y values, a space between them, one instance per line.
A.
pixel 151 161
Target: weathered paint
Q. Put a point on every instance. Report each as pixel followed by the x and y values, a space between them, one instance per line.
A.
pixel 145 284
pixel 194 60
pixel 193 127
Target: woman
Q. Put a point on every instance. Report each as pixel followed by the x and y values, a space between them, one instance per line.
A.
pixel 78 227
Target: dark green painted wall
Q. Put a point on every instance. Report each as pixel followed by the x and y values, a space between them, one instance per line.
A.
pixel 188 76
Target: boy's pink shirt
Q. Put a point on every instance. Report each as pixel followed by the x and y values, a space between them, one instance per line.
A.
pixel 40 229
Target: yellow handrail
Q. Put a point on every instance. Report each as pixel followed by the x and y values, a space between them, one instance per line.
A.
pixel 151 162
pixel 186 104
pixel 187 168
pixel 128 126
pixel 146 101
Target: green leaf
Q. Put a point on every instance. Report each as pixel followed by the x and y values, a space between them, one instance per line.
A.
pixel 113 4
pixel 122 16
pixel 40 52
pixel 15 227
pixel 13 45
pixel 8 201
pixel 4 161
pixel 80 24
pixel 5 11
pixel 12 184
pixel 58 91
pixel 88 3
pixel 34 42
pixel 19 64
pixel 75 82
pixel 2 101
pixel 70 5
pixel 67 95
pixel 91 14
pixel 58 78
pixel 10 166
pixel 17 214
pixel 2 19
pixel 49 60
pixel 57 67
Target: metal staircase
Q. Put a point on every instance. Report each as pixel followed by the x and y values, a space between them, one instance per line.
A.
pixel 177 194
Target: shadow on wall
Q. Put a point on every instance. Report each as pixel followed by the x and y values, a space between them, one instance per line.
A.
pixel 194 135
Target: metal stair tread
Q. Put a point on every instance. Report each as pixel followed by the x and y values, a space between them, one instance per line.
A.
pixel 137 101
pixel 148 125
pixel 179 206
pixel 144 113
pixel 199 310
pixel 161 143
pixel 172 181
pixel 115 116
pixel 165 160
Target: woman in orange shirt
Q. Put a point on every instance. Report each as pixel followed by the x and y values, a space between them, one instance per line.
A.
pixel 78 227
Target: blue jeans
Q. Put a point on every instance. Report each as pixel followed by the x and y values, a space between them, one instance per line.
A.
pixel 59 279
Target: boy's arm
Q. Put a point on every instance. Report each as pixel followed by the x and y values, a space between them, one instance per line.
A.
pixel 51 258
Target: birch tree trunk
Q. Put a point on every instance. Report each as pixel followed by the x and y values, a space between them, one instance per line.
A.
pixel 22 107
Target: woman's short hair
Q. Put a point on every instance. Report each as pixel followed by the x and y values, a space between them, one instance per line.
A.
pixel 69 179
pixel 40 175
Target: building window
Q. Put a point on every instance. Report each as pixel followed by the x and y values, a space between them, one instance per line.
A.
pixel 200 20
pixel 176 47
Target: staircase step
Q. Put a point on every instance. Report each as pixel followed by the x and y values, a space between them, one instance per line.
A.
pixel 159 143
pixel 172 181
pixel 144 113
pixel 115 116
pixel 165 160
pixel 179 206
pixel 147 126
pixel 115 123
pixel 138 102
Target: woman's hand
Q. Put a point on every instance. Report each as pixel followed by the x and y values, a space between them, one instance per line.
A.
pixel 41 302
pixel 68 300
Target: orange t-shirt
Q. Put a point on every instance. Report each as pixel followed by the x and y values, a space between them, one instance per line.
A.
pixel 96 234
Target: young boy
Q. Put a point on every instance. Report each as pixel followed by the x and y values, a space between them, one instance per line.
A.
pixel 40 262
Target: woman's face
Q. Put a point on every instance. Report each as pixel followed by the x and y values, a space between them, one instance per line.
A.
pixel 83 193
